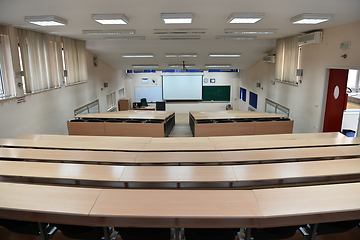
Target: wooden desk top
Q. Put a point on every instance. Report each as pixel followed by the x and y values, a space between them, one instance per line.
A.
pixel 61 171
pixel 180 146
pixel 181 140
pixel 178 157
pixel 119 140
pixel 176 208
pixel 168 174
pixel 160 115
pixel 49 203
pixel 312 204
pixel 233 114
pixel 68 155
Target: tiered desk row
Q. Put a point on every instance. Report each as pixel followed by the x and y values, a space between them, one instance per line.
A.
pixel 240 181
pixel 237 123
pixel 123 123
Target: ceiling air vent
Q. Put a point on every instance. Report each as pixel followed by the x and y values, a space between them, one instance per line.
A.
pixel 178 31
pixel 269 59
pixel 181 38
pixel 310 38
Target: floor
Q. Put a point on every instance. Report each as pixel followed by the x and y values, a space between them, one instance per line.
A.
pixel 182 129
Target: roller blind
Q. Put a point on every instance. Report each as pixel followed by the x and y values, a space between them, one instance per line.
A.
pixel 7 80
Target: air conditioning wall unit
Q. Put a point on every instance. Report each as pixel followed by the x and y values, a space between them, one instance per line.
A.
pixel 269 59
pixel 310 38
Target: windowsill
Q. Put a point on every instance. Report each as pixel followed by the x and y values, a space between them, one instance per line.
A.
pixel 72 84
pixel 7 98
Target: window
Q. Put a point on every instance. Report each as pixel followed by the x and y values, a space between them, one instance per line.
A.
pixel 41 60
pixel 7 80
pixel 111 102
pixel 287 59
pixel 253 100
pixel 243 94
pixel 75 60
pixel 353 81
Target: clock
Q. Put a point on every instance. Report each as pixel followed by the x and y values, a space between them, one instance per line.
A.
pixel 205 80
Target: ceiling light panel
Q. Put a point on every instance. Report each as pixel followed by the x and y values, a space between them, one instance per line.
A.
pixel 311 18
pixel 110 18
pixel 125 38
pixel 225 55
pixel 250 31
pixel 245 17
pixel 235 37
pixel 177 18
pixel 179 31
pixel 46 21
pixel 217 65
pixel 137 55
pixel 145 66
pixel 109 32
pixel 183 55
pixel 181 38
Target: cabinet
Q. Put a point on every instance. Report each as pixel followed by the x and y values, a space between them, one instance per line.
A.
pixel 124 104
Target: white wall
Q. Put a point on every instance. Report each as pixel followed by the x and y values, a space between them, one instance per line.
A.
pixel 307 100
pixel 47 112
pixel 134 80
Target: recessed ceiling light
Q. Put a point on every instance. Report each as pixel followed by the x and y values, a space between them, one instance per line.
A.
pixel 181 65
pixel 179 31
pixel 108 32
pixel 137 55
pixel 177 18
pixel 311 18
pixel 217 65
pixel 235 38
pixel 126 38
pixel 245 17
pixel 184 55
pixel 145 66
pixel 224 55
pixel 250 31
pixel 110 18
pixel 46 21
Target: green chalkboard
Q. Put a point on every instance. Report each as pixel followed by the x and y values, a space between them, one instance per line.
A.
pixel 216 93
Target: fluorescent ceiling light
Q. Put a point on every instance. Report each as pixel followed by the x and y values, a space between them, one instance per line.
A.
pixel 250 31
pixel 235 38
pixel 126 38
pixel 110 18
pixel 181 38
pixel 179 31
pixel 137 55
pixel 245 17
pixel 224 55
pixel 177 18
pixel 145 66
pixel 108 32
pixel 46 21
pixel 311 18
pixel 181 65
pixel 217 65
pixel 184 55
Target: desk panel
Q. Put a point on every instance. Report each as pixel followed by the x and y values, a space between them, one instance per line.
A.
pixel 176 208
pixel 224 129
pixel 134 129
pixel 312 204
pixel 273 127
pixel 86 128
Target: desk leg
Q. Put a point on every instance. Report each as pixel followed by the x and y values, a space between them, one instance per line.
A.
pixel 43 231
pixel 177 234
pixel 247 233
pixel 106 233
pixel 313 229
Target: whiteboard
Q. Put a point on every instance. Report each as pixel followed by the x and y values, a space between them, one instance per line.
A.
pixel 152 94
pixel 182 87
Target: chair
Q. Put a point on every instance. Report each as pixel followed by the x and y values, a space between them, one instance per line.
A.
pixel 29 228
pixel 283 119
pixel 133 121
pixel 224 121
pixel 331 227
pixel 273 233
pixel 77 120
pixel 153 121
pixel 95 120
pixel 144 102
pixel 115 120
pixel 204 121
pixel 243 120
pixel 211 233
pixel 144 233
pixel 160 106
pixel 81 232
pixel 263 120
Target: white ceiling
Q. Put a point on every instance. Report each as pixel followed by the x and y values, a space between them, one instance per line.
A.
pixel 145 16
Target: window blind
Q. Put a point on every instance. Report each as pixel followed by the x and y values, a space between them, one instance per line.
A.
pixel 7 79
pixel 287 50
